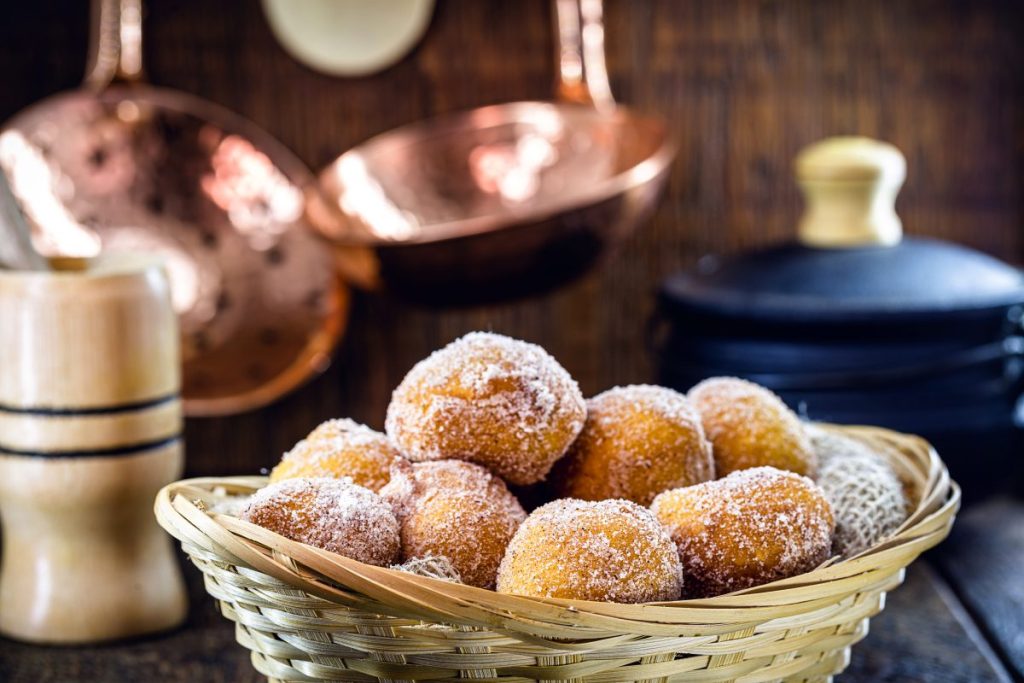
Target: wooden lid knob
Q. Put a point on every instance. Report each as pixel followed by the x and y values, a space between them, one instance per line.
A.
pixel 850 186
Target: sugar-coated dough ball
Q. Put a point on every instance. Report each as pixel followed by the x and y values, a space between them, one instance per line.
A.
pixel 457 510
pixel 340 448
pixel 610 550
pixel 867 497
pixel 637 442
pixel 499 402
pixel 750 426
pixel 333 514
pixel 752 527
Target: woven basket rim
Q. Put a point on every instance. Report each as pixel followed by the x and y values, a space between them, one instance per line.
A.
pixel 182 509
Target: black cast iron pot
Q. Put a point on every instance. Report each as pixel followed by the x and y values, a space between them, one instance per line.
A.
pixel 855 325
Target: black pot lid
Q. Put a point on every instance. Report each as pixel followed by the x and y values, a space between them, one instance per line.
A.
pixel 850 263
pixel 915 277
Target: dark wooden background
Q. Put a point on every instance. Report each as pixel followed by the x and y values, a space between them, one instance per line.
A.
pixel 745 84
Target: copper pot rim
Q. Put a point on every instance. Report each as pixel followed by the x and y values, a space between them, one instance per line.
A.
pixel 315 359
pixel 642 172
pixel 115 265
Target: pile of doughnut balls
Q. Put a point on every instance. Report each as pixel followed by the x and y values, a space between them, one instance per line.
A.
pixel 652 495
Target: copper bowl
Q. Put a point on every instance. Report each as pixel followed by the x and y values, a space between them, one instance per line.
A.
pixel 121 165
pixel 506 200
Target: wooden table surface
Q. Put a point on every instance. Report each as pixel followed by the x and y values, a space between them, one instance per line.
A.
pixel 958 618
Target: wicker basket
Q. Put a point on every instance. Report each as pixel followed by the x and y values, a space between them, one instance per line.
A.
pixel 311 615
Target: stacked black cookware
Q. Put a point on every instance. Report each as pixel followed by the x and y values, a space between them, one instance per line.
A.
pixel 854 324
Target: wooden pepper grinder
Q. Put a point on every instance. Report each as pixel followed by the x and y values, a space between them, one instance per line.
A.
pixel 90 430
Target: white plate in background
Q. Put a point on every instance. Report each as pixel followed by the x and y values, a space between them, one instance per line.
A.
pixel 348 37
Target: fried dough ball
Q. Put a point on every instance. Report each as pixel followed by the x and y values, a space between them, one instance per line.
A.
pixel 340 448
pixel 754 526
pixel 457 510
pixel 609 550
pixel 333 514
pixel 750 426
pixel 637 442
pixel 499 402
pixel 867 497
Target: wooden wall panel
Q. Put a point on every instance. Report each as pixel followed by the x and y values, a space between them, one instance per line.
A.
pixel 745 84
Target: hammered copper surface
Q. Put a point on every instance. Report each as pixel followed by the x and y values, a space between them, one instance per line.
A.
pixel 146 169
pixel 504 200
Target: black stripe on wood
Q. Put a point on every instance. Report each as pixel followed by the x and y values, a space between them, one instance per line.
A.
pixel 95 410
pixel 130 449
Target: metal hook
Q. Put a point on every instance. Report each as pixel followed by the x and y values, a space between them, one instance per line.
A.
pixel 582 74
pixel 115 50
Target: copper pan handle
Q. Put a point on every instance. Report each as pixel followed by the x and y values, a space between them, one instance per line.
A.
pixel 115 43
pixel 582 75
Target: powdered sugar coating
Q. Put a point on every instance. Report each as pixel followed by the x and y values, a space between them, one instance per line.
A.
pixel 333 514
pixel 637 441
pixel 233 506
pixel 457 510
pixel 489 399
pixel 610 550
pixel 752 527
pixel 340 448
pixel 749 426
pixel 866 495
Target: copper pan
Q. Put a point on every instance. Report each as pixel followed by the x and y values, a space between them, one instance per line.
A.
pixel 119 164
pixel 501 201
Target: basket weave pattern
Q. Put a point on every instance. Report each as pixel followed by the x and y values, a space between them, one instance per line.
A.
pixel 311 615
